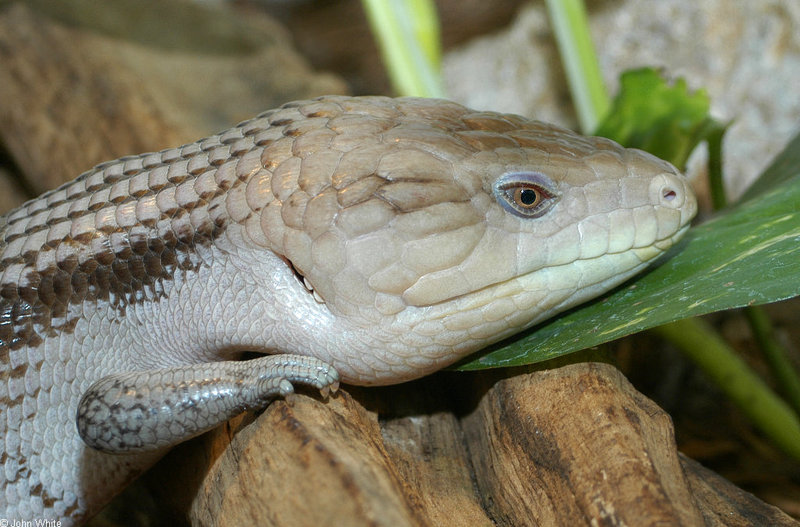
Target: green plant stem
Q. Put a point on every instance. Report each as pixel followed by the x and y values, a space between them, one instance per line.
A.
pixel 775 355
pixel 767 411
pixel 571 28
pixel 407 32
pixel 716 183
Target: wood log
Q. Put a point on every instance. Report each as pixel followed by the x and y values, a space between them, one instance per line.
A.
pixel 576 445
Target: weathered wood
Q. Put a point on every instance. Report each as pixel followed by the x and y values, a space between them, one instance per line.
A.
pixel 723 504
pixel 323 467
pixel 430 455
pixel 72 97
pixel 577 445
pixel 59 79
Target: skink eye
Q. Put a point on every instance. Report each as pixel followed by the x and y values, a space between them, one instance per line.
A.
pixel 526 194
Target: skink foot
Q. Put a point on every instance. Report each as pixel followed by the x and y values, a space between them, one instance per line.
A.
pixel 151 410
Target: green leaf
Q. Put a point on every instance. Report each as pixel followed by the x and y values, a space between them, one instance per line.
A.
pixel 659 117
pixel 749 254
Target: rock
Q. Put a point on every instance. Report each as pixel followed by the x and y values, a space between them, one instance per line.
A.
pixel 745 54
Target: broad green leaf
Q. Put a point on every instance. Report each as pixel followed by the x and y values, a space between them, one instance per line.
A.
pixel 749 254
pixel 660 117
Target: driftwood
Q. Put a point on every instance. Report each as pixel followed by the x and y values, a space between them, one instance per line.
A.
pixel 573 446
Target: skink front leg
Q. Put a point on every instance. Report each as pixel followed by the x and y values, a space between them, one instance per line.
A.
pixel 150 410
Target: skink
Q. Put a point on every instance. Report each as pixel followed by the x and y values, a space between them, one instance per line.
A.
pixel 368 240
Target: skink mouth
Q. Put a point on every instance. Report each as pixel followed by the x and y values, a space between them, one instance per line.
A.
pixel 668 242
pixel 644 256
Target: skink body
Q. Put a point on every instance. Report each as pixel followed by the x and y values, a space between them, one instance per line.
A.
pixel 369 240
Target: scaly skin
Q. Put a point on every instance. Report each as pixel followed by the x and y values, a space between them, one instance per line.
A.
pixel 370 240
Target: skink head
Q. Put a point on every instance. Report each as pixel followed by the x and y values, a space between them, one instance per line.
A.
pixel 437 230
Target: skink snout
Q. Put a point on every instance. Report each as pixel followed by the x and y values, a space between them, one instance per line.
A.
pixel 672 191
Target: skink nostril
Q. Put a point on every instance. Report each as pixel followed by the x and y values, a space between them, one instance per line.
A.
pixel 668 191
